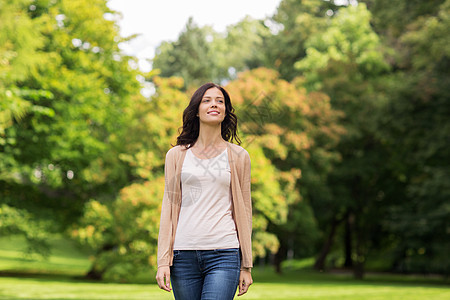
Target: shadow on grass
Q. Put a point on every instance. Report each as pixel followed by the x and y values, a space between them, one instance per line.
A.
pixel 345 277
pixel 53 276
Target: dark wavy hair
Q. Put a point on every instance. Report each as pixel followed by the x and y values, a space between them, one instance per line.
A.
pixel 191 123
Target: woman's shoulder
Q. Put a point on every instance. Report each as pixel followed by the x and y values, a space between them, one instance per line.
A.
pixel 238 151
pixel 175 151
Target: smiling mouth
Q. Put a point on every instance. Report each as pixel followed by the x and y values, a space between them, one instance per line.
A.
pixel 213 112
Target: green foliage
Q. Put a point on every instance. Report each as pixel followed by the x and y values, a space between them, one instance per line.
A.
pixel 19 41
pixel 286 130
pixel 269 204
pixel 15 221
pixel 190 57
pixel 123 234
pixel 428 41
pixel 66 93
pixel 201 55
pixel 417 133
pixel 393 17
pixel 345 62
pixel 348 40
pixel 240 49
pixel 153 128
pixel 293 23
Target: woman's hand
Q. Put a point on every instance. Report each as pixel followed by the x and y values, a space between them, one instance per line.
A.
pixel 245 280
pixel 163 278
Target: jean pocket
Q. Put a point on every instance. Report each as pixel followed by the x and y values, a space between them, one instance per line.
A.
pixel 176 253
pixel 229 251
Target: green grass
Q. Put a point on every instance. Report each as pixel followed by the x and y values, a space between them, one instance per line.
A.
pixel 291 285
pixel 65 259
pixel 60 288
pixel 55 279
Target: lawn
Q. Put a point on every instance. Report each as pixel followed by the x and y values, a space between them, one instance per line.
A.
pixel 56 279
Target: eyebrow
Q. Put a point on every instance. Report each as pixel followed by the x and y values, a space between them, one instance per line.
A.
pixel 211 97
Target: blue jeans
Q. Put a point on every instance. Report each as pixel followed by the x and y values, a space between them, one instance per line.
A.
pixel 205 274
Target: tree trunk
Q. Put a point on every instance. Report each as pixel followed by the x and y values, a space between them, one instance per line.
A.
pixel 349 220
pixel 320 261
pixel 94 274
pixel 358 270
pixel 279 257
pixel 358 266
pixel 358 229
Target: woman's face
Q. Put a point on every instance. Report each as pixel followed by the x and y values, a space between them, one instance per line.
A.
pixel 212 107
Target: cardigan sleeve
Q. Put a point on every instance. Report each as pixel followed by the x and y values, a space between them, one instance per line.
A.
pixel 165 224
pixel 246 194
pixel 246 189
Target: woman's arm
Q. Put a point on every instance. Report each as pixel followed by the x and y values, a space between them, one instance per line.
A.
pixel 246 189
pixel 245 184
pixel 165 226
pixel 245 277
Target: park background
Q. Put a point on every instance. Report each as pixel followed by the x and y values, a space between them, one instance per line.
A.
pixel 344 110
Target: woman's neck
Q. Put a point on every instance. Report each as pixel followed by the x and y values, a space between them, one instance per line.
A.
pixel 210 136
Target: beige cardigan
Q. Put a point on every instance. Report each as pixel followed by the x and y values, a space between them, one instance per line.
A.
pixel 239 161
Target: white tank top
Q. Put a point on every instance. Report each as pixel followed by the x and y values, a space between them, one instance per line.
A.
pixel 205 221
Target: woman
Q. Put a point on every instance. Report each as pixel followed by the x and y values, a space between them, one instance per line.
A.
pixel 204 244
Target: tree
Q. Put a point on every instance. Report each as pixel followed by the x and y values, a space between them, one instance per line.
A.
pixel 240 49
pixel 416 127
pixel 20 39
pixel 191 57
pixel 67 70
pixel 392 18
pixel 345 62
pixel 295 131
pixel 200 54
pixel 293 23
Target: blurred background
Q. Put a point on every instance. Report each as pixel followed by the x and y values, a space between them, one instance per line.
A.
pixel 343 107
